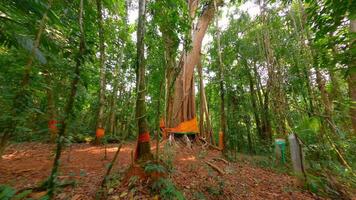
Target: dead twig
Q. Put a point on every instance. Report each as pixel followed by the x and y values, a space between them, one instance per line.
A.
pixel 221 159
pixel 215 167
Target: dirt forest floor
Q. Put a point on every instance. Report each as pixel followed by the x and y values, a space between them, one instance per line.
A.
pixel 28 164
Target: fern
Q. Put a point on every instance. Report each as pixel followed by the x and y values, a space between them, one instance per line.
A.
pixel 153 167
pixel 167 190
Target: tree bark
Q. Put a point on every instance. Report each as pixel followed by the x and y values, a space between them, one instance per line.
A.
pixel 201 106
pixel 183 105
pixel 248 129
pixel 268 53
pixel 143 151
pixel 204 110
pixel 100 119
pixel 221 77
pixel 352 77
pixel 254 104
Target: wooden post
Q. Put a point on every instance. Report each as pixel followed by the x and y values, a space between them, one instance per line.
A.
pixel 296 155
pixel 221 140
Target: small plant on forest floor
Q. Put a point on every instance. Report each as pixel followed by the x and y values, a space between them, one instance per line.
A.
pixel 154 167
pixel 199 195
pixel 111 183
pixel 166 189
pixel 133 181
pixel 167 157
pixel 161 185
pixel 217 189
pixel 7 193
pixel 328 186
pixel 114 180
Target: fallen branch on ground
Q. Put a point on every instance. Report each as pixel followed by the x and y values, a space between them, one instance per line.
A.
pixel 221 159
pixel 215 167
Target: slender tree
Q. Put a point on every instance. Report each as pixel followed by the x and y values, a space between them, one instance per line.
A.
pixel 100 118
pixel 221 78
pixel 143 151
pixel 69 105
pixel 352 75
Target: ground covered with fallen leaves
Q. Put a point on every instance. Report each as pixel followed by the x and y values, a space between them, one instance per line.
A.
pixel 27 165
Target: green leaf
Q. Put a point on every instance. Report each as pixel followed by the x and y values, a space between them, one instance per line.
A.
pixel 22 195
pixel 6 192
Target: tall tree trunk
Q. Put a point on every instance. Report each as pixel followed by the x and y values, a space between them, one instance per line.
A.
pixel 201 106
pixel 248 129
pixel 352 76
pixel 221 79
pixel 268 53
pixel 170 73
pixel 204 106
pixel 335 93
pixel 143 151
pixel 183 105
pixel 69 106
pixel 254 104
pixel 100 119
pixel 159 100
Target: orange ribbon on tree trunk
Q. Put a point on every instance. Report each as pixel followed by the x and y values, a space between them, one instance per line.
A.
pixel 142 138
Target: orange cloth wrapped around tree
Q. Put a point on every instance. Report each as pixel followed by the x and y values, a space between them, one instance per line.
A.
pixel 100 132
pixel 144 137
pixel 52 126
pixel 189 126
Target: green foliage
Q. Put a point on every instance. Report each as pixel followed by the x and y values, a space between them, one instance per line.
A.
pixel 133 181
pixel 172 17
pixel 199 195
pixel 154 167
pixel 6 192
pixel 9 193
pixel 167 190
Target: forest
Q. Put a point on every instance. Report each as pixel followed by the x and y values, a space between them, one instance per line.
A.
pixel 177 99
